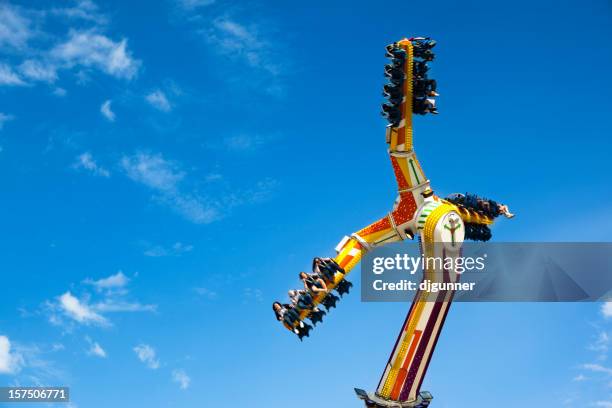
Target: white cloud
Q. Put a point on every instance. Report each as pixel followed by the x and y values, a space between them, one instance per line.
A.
pixel 153 171
pixel 118 305
pixel 213 177
pixel 10 361
pixel 38 71
pixel 579 378
pixel 207 293
pixel 165 178
pixel 87 162
pixel 193 208
pixel 61 92
pixel 10 77
pixel 159 101
pixel 110 297
pixel 57 347
pixel 116 281
pixel 80 311
pixel 5 118
pixel 193 4
pixel 146 354
pixel 236 30
pixel 90 49
pixel 181 378
pixel 601 344
pixel 237 40
pixel 14 27
pixel 251 294
pixel 83 48
pixel 598 368
pixel 95 349
pixel 106 111
pixel 177 249
pixel 606 309
pixel 114 288
pixel 82 10
pixel 603 404
pixel 243 142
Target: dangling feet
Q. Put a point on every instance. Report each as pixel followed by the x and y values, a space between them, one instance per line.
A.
pixel 503 210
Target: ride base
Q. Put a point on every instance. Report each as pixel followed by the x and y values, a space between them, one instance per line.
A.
pixel 374 401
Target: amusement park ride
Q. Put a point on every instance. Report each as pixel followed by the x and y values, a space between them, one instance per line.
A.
pixel 417 212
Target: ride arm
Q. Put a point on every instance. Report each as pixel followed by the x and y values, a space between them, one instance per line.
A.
pixel 349 253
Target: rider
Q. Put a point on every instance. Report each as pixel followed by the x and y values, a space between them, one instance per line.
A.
pixel 313 284
pixel 326 267
pixel 287 315
pixel 300 298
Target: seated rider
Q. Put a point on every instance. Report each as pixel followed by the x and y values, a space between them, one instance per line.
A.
pixel 424 105
pixel 420 69
pixel 488 207
pixel 300 298
pixel 313 284
pixel 395 52
pixel 326 267
pixel 422 42
pixel 286 314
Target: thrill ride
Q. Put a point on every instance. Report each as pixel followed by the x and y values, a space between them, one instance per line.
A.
pixel 441 225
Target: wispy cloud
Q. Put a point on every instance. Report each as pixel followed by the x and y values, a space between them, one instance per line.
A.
pixel 252 295
pixel 15 30
pixel 147 355
pixel 95 349
pixel 153 171
pixel 167 180
pixel 106 111
pixel 27 363
pixel 92 49
pixel 11 361
pixel 159 101
pixel 603 404
pixel 61 92
pixel 190 5
pixel 38 71
pixel 601 345
pixel 86 47
pixel 243 142
pixel 79 311
pixel 163 177
pixel 87 162
pixel 111 296
pixel 212 177
pixel 206 293
pixel 194 208
pixel 119 305
pixel 597 368
pixel 244 40
pixel 114 282
pixel 181 378
pixel 176 249
pixel 10 77
pixel 5 118
pixel 85 10
pixel 239 41
pixel 606 309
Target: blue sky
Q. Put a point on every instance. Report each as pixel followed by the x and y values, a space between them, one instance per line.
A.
pixel 166 170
